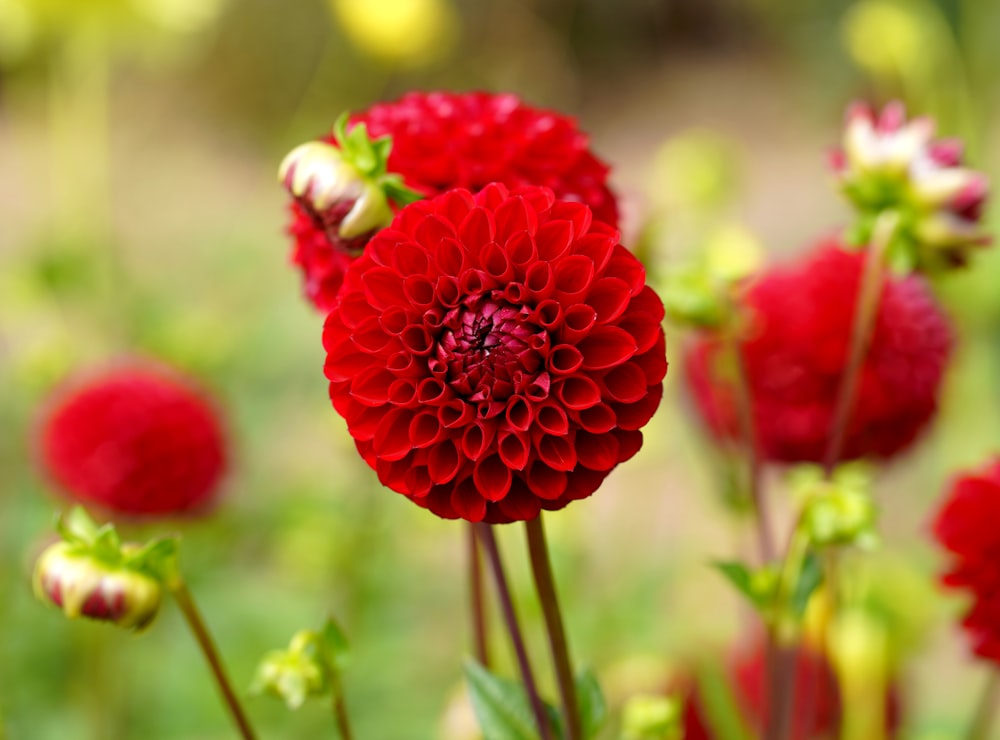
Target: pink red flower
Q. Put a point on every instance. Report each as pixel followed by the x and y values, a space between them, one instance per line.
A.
pixel 495 354
pixel 966 526
pixel 137 440
pixel 816 706
pixel 889 163
pixel 795 349
pixel 444 140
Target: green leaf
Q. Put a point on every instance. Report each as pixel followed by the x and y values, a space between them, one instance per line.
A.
pixel 742 578
pixel 810 577
pixel 593 708
pixel 502 706
pixel 336 644
pixel 721 708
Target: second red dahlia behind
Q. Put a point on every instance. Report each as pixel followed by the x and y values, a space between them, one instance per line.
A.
pixel 495 354
pixel 795 348
pixel 138 440
pixel 443 140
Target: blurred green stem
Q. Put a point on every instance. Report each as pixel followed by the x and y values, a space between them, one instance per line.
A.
pixel 784 636
pixel 745 415
pixel 204 639
pixel 982 720
pixel 488 540
pixel 541 568
pixel 865 312
pixel 340 709
pixel 477 596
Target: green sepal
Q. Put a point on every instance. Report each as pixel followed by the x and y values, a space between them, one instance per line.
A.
pixel 758 586
pixel 156 559
pixel 590 702
pixel 370 157
pixel 502 706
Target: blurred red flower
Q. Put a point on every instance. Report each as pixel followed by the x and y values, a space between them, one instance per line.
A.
pixel 443 140
pixel 138 440
pixel 495 354
pixel 966 526
pixel 795 350
pixel 816 706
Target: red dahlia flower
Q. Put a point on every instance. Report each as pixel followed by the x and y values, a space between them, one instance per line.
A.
pixel 966 526
pixel 136 440
pixel 816 709
pixel 444 140
pixel 495 354
pixel 795 351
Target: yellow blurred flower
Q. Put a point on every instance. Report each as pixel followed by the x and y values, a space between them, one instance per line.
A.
pixel 404 31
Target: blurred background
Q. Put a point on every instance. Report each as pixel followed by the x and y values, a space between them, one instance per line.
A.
pixel 140 215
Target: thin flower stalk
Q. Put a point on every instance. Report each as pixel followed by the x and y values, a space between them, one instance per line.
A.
pixel 541 569
pixel 489 543
pixel 208 648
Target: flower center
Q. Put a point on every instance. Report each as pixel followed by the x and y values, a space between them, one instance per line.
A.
pixel 489 350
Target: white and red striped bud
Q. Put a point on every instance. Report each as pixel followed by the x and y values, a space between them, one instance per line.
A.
pixel 83 585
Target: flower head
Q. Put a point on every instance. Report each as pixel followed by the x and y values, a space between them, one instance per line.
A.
pixel 889 163
pixel 794 350
pixel 136 440
pixel 441 141
pixel 966 527
pixel 495 354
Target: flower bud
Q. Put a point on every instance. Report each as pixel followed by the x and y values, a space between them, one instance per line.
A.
pixel 83 585
pixel 309 667
pixel 648 717
pixel 887 163
pixel 334 191
pixel 838 511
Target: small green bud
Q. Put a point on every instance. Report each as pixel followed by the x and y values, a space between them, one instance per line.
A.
pixel 291 675
pixel 839 511
pixel 649 717
pixel 309 667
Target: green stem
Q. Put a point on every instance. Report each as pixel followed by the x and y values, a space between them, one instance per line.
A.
pixel 982 720
pixel 865 312
pixel 204 639
pixel 477 596
pixel 541 568
pixel 782 695
pixel 489 543
pixel 340 710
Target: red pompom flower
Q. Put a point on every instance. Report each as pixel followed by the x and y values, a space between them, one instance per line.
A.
pixel 443 140
pixel 795 350
pixel 966 526
pixel 495 354
pixel 136 440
